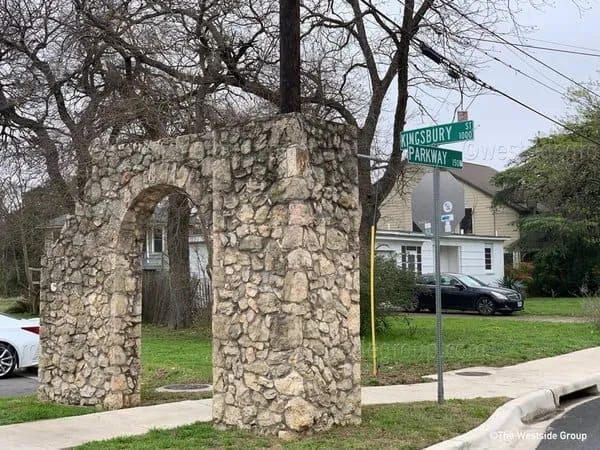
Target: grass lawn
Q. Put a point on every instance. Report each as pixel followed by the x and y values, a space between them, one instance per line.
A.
pixel 559 306
pixel 28 409
pixel 404 355
pixel 7 302
pixel 403 426
pixel 172 357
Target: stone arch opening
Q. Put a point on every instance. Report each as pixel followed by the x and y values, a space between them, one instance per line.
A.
pixel 280 197
pixel 129 263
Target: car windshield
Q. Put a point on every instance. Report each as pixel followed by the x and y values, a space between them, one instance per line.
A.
pixel 470 281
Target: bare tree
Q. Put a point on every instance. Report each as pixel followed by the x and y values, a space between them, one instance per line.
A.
pixel 117 71
pixel 74 73
pixel 362 60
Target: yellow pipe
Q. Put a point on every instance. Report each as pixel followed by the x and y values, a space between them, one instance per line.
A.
pixel 372 291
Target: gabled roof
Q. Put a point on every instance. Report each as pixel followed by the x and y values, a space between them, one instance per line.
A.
pixel 480 177
pixel 477 176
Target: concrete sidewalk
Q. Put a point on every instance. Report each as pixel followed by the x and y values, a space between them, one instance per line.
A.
pixel 557 373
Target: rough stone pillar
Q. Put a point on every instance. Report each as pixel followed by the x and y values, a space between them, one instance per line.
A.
pixel 91 317
pixel 286 346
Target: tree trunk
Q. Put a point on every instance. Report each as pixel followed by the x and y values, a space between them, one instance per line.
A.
pixel 181 306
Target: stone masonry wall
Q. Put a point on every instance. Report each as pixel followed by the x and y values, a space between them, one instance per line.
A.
pixel 286 347
pixel 282 199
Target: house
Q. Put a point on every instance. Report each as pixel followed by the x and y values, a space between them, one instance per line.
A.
pixel 473 242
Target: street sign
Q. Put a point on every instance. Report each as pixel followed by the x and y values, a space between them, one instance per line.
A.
pixel 438 134
pixel 419 146
pixel 434 156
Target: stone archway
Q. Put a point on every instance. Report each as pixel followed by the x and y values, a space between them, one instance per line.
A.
pixel 281 197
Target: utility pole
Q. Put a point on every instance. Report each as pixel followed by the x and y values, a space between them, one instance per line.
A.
pixel 289 56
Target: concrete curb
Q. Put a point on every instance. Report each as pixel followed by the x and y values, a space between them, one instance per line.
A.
pixel 500 430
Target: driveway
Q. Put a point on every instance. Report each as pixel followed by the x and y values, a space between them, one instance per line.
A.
pixel 21 383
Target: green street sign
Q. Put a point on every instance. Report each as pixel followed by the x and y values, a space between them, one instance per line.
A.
pixel 434 156
pixel 438 134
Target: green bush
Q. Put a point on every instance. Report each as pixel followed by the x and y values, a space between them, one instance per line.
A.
pixel 394 288
pixel 509 282
pixel 563 274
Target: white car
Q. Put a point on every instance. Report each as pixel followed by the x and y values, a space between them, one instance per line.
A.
pixel 19 343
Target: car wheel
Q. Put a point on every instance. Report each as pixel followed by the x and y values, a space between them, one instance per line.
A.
pixel 8 360
pixel 485 306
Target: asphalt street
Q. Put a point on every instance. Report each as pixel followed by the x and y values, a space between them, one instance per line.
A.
pixel 21 383
pixel 577 429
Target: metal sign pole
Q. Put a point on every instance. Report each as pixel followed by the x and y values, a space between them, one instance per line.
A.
pixel 438 290
pixel 421 147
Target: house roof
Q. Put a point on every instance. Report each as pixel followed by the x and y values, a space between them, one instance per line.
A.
pixel 479 177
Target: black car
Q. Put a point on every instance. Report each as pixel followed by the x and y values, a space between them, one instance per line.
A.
pixel 466 293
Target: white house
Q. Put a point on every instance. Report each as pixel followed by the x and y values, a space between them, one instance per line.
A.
pixel 481 257
pixel 475 245
pixel 155 246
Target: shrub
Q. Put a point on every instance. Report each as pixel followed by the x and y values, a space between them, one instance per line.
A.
pixel 394 287
pixel 558 273
pixel 523 271
pixel 509 282
pixel 518 277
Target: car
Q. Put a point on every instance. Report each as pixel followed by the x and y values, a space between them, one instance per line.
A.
pixel 466 293
pixel 19 343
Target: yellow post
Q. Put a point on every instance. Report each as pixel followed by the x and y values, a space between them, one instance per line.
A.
pixel 372 292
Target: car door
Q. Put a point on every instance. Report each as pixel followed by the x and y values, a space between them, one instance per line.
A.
pixel 459 295
pixel 448 288
pixel 426 292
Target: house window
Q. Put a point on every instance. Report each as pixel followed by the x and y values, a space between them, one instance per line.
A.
pixel 157 240
pixel 466 224
pixel 488 257
pixel 411 258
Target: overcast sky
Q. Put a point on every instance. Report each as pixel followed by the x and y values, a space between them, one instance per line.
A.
pixel 502 128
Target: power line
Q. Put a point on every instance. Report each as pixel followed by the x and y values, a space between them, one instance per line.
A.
pixel 467 42
pixel 452 66
pixel 455 70
pixel 474 22
pixel 563 44
pixel 521 72
pixel 538 70
pixel 539 47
